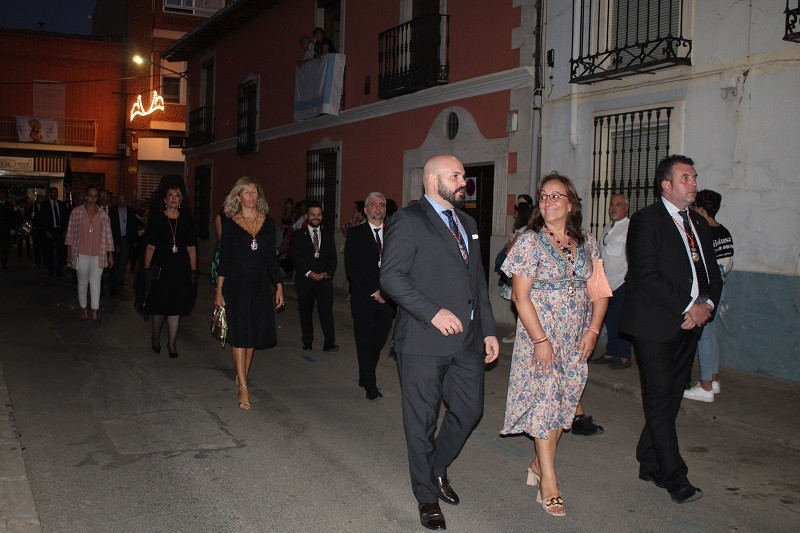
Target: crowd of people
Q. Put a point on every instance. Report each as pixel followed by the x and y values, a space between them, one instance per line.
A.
pixel 654 281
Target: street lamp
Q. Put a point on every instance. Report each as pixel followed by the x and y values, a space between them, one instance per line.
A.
pixel 139 60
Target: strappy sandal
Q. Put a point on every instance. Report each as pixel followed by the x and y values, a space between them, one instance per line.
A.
pixel 244 404
pixel 533 478
pixel 550 505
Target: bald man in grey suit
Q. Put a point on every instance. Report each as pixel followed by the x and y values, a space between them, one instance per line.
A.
pixel 444 333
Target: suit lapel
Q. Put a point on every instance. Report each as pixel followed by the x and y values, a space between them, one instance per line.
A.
pixel 441 227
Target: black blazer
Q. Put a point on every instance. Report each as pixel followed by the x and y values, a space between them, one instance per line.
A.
pixel 659 280
pixel 131 225
pixel 361 264
pixel 47 215
pixel 303 258
pixel 423 272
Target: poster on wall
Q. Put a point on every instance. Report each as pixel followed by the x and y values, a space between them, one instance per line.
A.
pixel 37 130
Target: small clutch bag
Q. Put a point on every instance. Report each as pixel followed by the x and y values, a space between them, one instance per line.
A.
pixel 219 325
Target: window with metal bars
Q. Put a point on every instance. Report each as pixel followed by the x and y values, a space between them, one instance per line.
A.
pixel 626 149
pixel 322 180
pixel 247 117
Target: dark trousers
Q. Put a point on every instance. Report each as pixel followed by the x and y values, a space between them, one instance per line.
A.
pixel 321 293
pixel 371 330
pixel 55 252
pixel 616 346
pixel 23 240
pixel 38 248
pixel 120 264
pixel 426 381
pixel 664 367
pixel 5 246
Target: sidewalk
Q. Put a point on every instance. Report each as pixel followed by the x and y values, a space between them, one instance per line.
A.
pixel 750 404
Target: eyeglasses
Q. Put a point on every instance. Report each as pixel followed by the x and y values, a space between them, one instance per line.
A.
pixel 556 196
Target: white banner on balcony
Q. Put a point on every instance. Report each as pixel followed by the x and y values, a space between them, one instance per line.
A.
pixel 318 86
pixel 37 130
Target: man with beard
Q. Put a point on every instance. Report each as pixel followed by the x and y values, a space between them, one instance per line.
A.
pixel 372 311
pixel 54 222
pixel 314 260
pixel 444 333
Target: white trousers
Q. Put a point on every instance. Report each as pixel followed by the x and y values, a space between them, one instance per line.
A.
pixel 89 273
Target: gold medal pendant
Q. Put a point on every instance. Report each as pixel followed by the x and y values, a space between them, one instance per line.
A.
pixel 695 255
pixel 174 249
pixel 254 245
pixel 316 255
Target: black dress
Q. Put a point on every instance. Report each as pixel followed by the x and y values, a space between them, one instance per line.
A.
pixel 172 293
pixel 249 275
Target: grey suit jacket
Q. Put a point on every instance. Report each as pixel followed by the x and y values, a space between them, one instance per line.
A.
pixel 423 271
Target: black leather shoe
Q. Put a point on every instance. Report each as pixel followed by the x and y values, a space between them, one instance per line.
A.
pixel 173 355
pixel 374 394
pixel 686 492
pixel 602 360
pixel 307 347
pixel 584 425
pixel 619 364
pixel 331 348
pixel 431 517
pixel 446 492
pixel 655 477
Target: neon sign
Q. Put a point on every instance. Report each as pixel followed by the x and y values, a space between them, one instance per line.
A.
pixel 156 104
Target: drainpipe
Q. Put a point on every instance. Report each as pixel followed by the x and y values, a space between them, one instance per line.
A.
pixel 573 88
pixel 534 172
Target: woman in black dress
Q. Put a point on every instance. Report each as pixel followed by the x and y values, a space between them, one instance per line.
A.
pixel 248 267
pixel 170 261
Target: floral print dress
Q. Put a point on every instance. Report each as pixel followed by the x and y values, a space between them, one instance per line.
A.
pixel 537 404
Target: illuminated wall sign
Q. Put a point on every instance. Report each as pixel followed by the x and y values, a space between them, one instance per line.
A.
pixel 156 104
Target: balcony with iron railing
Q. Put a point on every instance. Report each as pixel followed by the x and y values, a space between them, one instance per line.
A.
pixel 792 12
pixel 414 56
pixel 616 38
pixel 67 134
pixel 200 126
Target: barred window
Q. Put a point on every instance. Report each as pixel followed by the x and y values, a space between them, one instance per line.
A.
pixel 626 149
pixel 322 181
pixel 247 117
pixel 172 83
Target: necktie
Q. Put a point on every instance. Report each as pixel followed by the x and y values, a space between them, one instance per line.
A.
pixel 56 217
pixel 699 265
pixel 378 243
pixel 457 234
pixel 315 238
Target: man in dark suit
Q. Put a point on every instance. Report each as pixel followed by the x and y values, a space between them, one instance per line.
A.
pixel 6 225
pixel 444 333
pixel 673 285
pixel 372 311
pixel 314 259
pixel 124 226
pixel 54 222
pixel 38 229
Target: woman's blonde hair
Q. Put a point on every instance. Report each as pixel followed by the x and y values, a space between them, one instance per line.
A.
pixel 232 206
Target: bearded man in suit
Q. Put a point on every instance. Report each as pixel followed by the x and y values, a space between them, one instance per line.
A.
pixel 673 285
pixel 444 332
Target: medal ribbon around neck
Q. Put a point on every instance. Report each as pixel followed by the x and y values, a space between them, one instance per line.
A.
pixel 174 230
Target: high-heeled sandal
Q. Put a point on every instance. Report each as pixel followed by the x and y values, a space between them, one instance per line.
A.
pixel 84 315
pixel 549 505
pixel 96 316
pixel 533 478
pixel 244 404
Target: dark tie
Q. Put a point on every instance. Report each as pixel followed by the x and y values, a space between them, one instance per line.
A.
pixel 378 242
pixel 457 234
pixel 315 238
pixel 56 215
pixel 699 265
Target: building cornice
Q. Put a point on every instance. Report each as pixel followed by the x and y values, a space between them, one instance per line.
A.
pixel 488 84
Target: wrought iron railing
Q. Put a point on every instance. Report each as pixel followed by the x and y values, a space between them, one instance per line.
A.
pixel 322 179
pixel 625 151
pixel 200 126
pixel 792 21
pixel 414 56
pixel 71 132
pixel 615 38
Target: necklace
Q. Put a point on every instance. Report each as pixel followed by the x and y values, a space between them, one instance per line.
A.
pixel 91 221
pixel 252 224
pixel 569 258
pixel 174 230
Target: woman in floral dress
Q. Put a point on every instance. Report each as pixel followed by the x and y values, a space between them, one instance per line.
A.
pixel 561 294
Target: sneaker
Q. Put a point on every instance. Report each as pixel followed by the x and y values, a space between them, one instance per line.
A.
pixel 508 339
pixel 584 425
pixel 715 387
pixel 699 393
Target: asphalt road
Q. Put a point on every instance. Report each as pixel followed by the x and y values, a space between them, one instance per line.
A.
pixel 118 439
